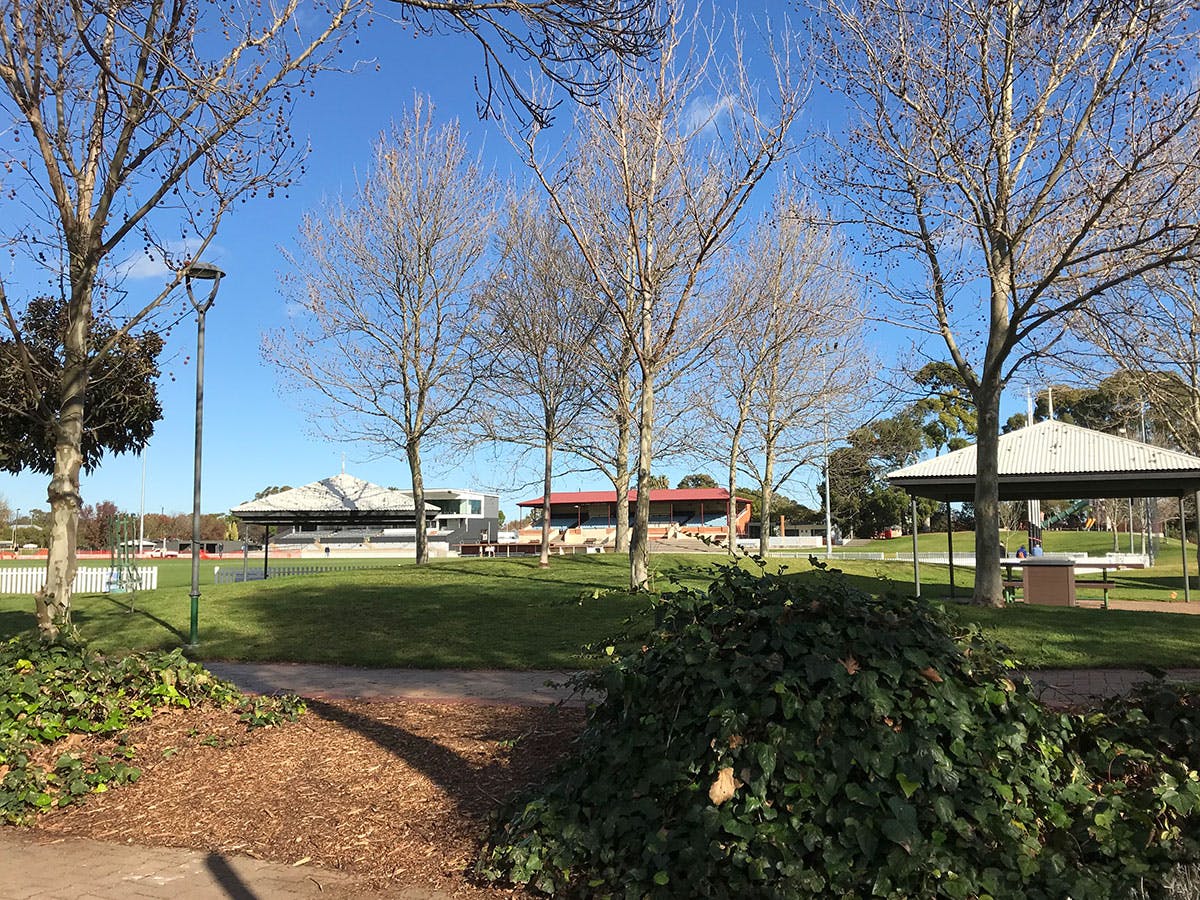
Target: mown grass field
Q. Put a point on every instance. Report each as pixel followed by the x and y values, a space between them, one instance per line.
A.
pixel 470 613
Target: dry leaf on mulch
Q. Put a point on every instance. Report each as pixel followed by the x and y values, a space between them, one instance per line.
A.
pixel 395 792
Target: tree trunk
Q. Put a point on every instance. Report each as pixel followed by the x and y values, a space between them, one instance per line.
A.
pixel 731 504
pixel 988 588
pixel 639 545
pixel 53 601
pixel 418 490
pixel 768 492
pixel 621 463
pixel 544 557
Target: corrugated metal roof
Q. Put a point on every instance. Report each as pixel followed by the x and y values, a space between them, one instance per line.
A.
pixel 1057 448
pixel 339 494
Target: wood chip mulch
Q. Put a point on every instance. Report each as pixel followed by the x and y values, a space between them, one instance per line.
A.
pixel 396 793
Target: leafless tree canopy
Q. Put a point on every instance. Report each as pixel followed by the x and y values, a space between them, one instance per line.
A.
pixel 385 288
pixel 651 191
pixel 537 339
pixel 1151 332
pixel 1029 158
pixel 577 45
pixel 798 363
pixel 132 128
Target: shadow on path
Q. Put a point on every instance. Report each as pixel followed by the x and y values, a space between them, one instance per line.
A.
pixel 229 880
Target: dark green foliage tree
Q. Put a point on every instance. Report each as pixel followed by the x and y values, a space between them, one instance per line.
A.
pixel 861 501
pixel 122 395
pixel 697 480
pixel 781 505
pixel 782 737
pixel 947 415
pixel 658 482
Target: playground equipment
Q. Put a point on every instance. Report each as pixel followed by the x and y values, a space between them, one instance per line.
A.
pixel 1039 522
pixel 123 575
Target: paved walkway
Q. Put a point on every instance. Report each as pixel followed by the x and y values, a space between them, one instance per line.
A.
pixel 493 686
pixel 34 866
pixel 1060 686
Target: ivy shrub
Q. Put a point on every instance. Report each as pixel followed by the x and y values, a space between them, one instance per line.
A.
pixel 786 738
pixel 51 696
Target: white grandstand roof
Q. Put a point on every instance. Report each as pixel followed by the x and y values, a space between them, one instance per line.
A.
pixel 340 498
pixel 1056 460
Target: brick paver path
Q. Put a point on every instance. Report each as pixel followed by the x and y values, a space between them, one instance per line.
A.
pixel 32 866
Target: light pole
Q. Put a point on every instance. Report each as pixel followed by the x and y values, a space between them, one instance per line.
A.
pixel 204 272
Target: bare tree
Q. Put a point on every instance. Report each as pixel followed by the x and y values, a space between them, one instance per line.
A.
pixel 603 435
pixel 651 190
pixel 386 285
pixel 796 357
pixel 1030 158
pixel 538 327
pixel 576 45
pixel 810 361
pixel 1151 333
pixel 128 123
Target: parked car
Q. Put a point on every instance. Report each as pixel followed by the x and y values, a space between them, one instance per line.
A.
pixel 164 553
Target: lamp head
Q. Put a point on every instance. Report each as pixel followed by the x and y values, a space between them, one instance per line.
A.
pixel 203 270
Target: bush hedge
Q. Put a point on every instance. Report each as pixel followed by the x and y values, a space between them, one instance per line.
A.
pixel 50 696
pixel 789 738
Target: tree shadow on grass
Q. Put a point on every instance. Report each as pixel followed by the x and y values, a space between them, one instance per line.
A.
pixel 474 789
pixel 15 622
pixel 146 614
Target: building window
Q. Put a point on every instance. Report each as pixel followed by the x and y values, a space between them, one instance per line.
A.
pixel 476 507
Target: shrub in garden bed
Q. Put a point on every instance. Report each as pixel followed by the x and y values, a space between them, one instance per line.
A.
pixel 51 697
pixel 786 738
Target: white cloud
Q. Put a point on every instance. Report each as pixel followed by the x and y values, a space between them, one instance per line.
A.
pixel 703 114
pixel 151 263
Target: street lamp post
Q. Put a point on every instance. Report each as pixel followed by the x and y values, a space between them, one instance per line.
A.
pixel 203 272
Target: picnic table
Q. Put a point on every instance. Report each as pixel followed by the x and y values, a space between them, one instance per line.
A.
pixel 1054 581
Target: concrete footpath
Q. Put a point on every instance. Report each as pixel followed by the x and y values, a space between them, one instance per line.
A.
pixel 1059 686
pixel 49 867
pixel 55 868
pixel 492 686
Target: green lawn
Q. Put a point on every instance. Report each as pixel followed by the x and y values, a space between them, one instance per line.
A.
pixel 509 614
pixel 1096 543
pixel 452 613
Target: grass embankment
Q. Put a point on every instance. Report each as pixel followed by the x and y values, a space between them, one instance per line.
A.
pixel 509 614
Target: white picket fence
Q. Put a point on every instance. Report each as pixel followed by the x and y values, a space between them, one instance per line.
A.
pixel 91 580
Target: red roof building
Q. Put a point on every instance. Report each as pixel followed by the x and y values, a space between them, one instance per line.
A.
pixel 590 516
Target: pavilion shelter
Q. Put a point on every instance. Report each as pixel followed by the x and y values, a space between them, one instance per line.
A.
pixel 340 501
pixel 1054 460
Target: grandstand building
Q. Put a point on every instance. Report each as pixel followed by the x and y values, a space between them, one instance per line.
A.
pixel 590 517
pixel 344 514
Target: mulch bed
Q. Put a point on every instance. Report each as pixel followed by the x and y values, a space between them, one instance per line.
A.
pixel 396 793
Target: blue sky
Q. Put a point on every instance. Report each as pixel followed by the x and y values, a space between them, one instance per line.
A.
pixel 255 434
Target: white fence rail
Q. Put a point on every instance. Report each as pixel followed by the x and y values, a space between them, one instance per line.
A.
pixel 91 580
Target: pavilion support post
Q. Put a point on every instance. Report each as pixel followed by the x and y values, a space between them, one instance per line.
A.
pixel 950 546
pixel 1187 582
pixel 916 556
pixel 266 548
